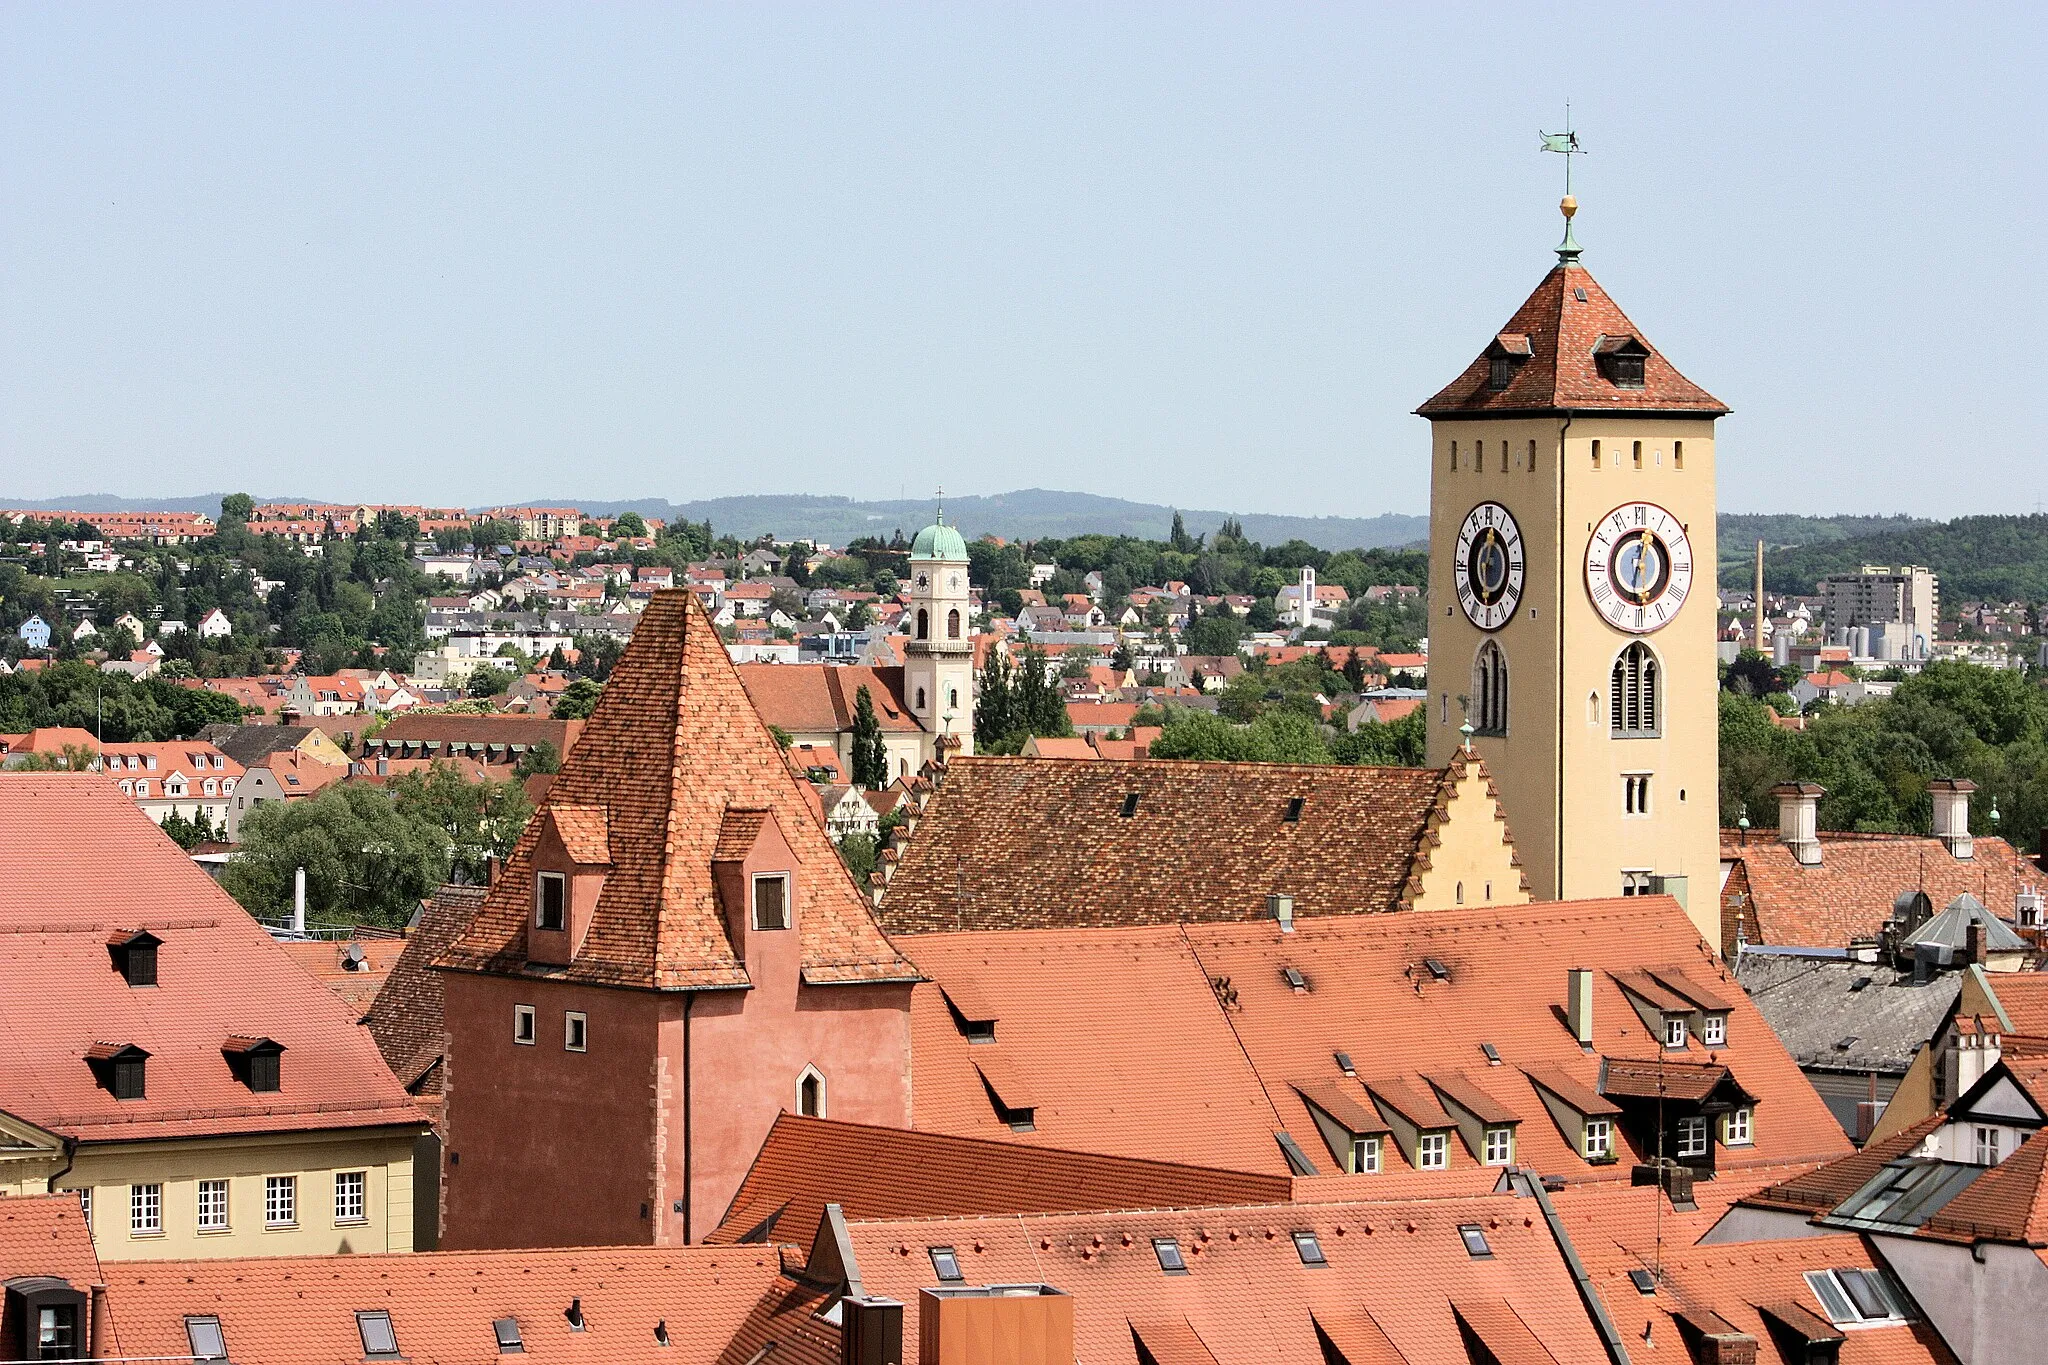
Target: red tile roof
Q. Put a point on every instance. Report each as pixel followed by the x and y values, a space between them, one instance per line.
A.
pixel 442 1304
pixel 81 862
pixel 878 1173
pixel 405 1017
pixel 673 746
pixel 1010 843
pixel 1849 895
pixel 1561 373
pixel 355 980
pixel 1187 1043
pixel 810 699
pixel 47 1235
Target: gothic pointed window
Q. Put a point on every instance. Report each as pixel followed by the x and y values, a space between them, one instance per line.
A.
pixel 1632 694
pixel 1490 690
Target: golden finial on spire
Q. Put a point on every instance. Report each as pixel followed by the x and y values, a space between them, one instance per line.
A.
pixel 1566 143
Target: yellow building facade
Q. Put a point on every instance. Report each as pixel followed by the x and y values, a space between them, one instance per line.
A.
pixel 1572 594
pixel 275 1194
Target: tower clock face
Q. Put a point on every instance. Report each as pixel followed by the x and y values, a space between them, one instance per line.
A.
pixel 1638 567
pixel 1488 565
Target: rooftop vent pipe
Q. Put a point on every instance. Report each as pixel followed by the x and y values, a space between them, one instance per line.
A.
pixel 1281 907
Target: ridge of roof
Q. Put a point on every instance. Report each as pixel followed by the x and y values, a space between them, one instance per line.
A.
pixel 674 744
pixel 1563 321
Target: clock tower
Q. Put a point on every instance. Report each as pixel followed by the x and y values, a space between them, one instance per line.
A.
pixel 938 663
pixel 1572 595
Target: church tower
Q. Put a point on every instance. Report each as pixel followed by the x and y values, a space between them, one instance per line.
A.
pixel 1572 595
pixel 938 667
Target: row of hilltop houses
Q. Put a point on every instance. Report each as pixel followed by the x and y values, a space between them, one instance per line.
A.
pixel 1511 1058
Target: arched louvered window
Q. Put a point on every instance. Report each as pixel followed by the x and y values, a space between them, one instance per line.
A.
pixel 1632 694
pixel 1490 690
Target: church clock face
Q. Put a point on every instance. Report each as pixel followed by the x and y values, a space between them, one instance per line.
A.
pixel 1488 566
pixel 1638 567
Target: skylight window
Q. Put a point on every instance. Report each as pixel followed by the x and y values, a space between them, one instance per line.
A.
pixel 379 1341
pixel 1437 968
pixel 1644 1282
pixel 946 1264
pixel 1474 1238
pixel 1344 1063
pixel 1168 1252
pixel 1492 1054
pixel 1855 1297
pixel 1295 980
pixel 1294 805
pixel 1130 805
pixel 506 1330
pixel 1309 1249
pixel 204 1336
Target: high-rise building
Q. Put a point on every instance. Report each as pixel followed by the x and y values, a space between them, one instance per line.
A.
pixel 1572 584
pixel 1908 598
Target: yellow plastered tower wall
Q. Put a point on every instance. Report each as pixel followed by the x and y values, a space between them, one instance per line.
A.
pixel 1572 596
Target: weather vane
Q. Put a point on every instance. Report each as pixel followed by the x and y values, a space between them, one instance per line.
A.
pixel 1566 143
pixel 941 518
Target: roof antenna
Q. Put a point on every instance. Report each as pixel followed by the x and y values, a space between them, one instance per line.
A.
pixel 1567 143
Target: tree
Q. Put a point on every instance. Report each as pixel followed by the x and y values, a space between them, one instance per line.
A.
pixel 870 756
pixel 993 716
pixel 489 681
pixel 1399 744
pixel 190 834
pixel 629 524
pixel 237 508
pixel 1218 634
pixel 859 617
pixel 481 819
pixel 541 758
pixel 578 700
pixel 858 851
pixel 1279 737
pixel 366 860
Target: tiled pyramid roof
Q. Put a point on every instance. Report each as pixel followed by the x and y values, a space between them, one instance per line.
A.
pixel 1563 321
pixel 672 747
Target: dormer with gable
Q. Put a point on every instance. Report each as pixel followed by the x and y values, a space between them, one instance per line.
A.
pixel 759 888
pixel 570 861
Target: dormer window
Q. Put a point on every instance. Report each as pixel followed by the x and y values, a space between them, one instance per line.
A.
pixel 134 956
pixel 256 1062
pixel 1674 1031
pixel 1714 1030
pixel 550 900
pixel 1504 357
pixel 118 1069
pixel 1621 360
pixel 771 901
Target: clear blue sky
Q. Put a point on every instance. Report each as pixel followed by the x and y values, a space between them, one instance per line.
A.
pixel 1205 255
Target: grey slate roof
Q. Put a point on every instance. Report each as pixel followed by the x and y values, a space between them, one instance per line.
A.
pixel 251 745
pixel 1951 928
pixel 1814 1006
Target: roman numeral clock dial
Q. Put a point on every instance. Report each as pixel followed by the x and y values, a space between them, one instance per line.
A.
pixel 1487 564
pixel 1638 567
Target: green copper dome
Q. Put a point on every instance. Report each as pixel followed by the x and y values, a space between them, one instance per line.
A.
pixel 938 541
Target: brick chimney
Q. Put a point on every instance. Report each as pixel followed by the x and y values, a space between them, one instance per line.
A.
pixel 1975 940
pixel 1000 1324
pixel 1799 819
pixel 1728 1348
pixel 1952 813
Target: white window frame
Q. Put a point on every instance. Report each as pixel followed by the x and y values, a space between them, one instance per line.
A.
pixel 146 1210
pixel 1599 1138
pixel 1498 1146
pixel 541 881
pixel 524 1025
pixel 1714 1030
pixel 575 1031
pixel 85 1205
pixel 1365 1155
pixel 1677 1031
pixel 213 1206
pixel 1986 1139
pixel 280 1201
pixel 754 902
pixel 1693 1139
pixel 351 1197
pixel 1432 1151
pixel 1738 1128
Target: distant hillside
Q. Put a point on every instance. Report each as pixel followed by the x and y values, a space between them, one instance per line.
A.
pixel 1745 529
pixel 209 503
pixel 1030 514
pixel 1999 558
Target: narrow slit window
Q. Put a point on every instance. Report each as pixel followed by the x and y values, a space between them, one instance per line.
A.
pixel 1639 454
pixel 1678 454
pixel 1596 454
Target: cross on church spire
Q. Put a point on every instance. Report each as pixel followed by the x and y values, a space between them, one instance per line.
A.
pixel 1565 143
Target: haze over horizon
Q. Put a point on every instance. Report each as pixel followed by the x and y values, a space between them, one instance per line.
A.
pixel 1211 258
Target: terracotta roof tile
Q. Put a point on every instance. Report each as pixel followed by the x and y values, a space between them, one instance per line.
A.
pixel 356 979
pixel 673 746
pixel 1849 895
pixel 1010 843
pixel 1562 331
pixel 808 699
pixel 585 832
pixel 405 1017
pixel 890 1173
pixel 47 1235
pixel 80 861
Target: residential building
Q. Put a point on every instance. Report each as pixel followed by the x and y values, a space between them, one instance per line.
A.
pixel 169 1060
pixel 188 778
pixel 673 955
pixel 1877 595
pixel 215 625
pixel 499 741
pixel 1572 497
